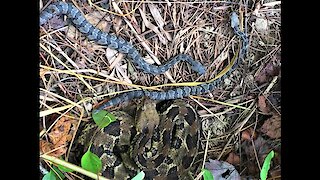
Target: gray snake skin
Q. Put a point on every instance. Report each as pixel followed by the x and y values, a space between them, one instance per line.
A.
pixel 125 47
pixel 112 41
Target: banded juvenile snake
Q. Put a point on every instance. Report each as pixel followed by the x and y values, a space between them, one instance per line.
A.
pixel 117 43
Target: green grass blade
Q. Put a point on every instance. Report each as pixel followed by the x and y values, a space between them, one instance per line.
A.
pixel 266 166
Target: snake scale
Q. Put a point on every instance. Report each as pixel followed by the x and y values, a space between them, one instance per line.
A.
pixel 118 43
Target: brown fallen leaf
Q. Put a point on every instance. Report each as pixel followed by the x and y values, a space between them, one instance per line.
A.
pixel 270 70
pixel 45 146
pixel 159 20
pixel 248 134
pixel 263 105
pixel 59 137
pixel 59 130
pixel 233 159
pixel 49 148
pixel 262 148
pixel 55 22
pixel 272 127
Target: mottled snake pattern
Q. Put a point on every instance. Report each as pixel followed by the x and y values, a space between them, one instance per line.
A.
pixel 162 143
pixel 118 43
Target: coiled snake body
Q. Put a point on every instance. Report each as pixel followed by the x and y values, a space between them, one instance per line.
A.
pixel 164 145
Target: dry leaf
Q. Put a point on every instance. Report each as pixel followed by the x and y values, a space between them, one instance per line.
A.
pixel 233 159
pixel 262 148
pixel 261 25
pixel 154 28
pixel 263 104
pixel 272 127
pixel 159 20
pixel 260 144
pixel 59 137
pixel 149 60
pixel 45 146
pixel 269 71
pixel 111 56
pixel 117 24
pixel 56 22
pixel 248 134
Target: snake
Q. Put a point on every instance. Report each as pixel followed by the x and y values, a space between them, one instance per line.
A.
pixel 125 47
pixel 185 91
pixel 111 40
pixel 162 143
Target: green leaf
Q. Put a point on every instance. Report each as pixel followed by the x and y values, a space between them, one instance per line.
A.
pixel 266 166
pixel 91 162
pixel 65 169
pixel 103 118
pixel 50 176
pixel 139 176
pixel 207 175
pixel 60 174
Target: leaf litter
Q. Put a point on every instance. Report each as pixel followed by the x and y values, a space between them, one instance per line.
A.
pixel 160 31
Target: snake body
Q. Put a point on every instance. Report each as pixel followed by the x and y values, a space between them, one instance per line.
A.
pixel 186 91
pixel 163 144
pixel 112 41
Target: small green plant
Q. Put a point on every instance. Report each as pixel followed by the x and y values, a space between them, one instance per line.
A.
pixel 103 118
pixel 91 162
pixel 50 176
pixel 54 174
pixel 64 169
pixel 207 175
pixel 266 166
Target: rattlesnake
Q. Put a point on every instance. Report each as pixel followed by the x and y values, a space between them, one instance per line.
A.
pixel 163 144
